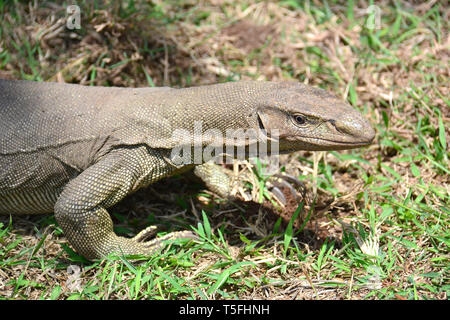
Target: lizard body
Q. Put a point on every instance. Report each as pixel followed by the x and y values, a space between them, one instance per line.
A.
pixel 77 150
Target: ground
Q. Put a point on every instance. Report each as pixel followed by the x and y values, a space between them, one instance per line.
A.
pixel 370 223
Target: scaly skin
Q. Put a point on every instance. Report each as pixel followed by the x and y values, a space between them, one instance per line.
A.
pixel 76 150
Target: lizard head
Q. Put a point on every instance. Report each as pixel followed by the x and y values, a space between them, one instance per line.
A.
pixel 309 118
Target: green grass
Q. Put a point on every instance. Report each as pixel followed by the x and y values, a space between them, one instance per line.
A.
pixel 374 222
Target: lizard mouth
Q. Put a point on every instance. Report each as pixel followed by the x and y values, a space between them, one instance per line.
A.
pixel 346 143
pixel 328 144
pixel 321 144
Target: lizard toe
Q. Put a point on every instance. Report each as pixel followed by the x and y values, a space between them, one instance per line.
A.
pixel 160 242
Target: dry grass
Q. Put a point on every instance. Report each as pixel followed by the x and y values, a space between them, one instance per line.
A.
pixel 395 192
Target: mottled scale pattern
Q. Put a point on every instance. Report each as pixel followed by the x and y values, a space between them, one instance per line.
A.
pixel 77 150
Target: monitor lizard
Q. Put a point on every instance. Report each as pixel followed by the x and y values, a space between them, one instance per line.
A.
pixel 77 150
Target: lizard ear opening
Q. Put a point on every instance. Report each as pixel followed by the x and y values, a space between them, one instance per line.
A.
pixel 260 122
pixel 266 124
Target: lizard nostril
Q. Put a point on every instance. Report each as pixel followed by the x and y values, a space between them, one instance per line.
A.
pixel 333 122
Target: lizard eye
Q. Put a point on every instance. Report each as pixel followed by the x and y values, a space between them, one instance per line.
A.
pixel 299 119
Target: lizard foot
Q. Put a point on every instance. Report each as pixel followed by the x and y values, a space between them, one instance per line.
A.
pixel 218 179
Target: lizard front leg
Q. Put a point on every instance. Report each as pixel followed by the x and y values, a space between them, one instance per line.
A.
pixel 216 178
pixel 81 208
pixel 219 180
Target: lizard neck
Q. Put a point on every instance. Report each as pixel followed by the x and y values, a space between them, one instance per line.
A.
pixel 221 107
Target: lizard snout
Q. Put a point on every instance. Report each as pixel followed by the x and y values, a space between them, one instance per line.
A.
pixel 355 129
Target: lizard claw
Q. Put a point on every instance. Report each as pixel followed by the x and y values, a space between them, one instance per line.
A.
pixel 290 178
pixel 286 181
pixel 279 195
